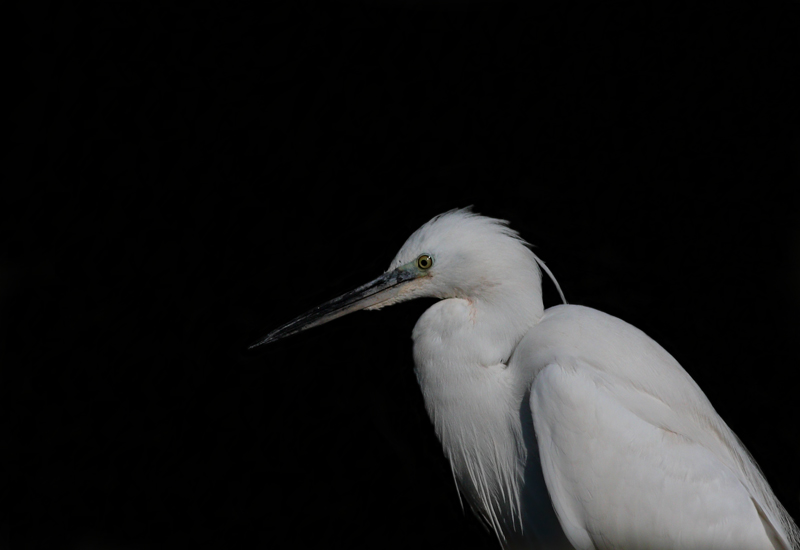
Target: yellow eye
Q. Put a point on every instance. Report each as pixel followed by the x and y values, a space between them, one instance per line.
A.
pixel 424 262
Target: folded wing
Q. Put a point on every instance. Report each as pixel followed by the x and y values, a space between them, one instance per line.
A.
pixel 627 470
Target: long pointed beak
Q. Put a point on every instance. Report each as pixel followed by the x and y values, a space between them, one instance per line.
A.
pixel 379 290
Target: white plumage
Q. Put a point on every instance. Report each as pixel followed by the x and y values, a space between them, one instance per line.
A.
pixel 565 428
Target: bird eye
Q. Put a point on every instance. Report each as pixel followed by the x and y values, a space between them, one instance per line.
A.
pixel 424 262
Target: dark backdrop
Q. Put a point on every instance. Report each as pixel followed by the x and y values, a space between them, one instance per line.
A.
pixel 193 177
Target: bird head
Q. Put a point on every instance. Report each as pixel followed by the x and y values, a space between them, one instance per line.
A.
pixel 458 254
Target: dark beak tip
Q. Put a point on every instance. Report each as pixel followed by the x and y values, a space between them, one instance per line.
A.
pixel 262 342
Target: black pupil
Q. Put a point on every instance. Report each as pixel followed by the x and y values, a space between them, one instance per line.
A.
pixel 423 262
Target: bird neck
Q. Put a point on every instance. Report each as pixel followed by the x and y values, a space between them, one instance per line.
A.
pixel 506 311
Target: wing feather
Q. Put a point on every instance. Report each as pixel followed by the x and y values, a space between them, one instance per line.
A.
pixel 618 480
pixel 579 358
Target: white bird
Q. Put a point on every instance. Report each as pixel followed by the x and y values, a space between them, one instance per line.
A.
pixel 565 427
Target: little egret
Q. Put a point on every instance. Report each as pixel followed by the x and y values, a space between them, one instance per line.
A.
pixel 565 428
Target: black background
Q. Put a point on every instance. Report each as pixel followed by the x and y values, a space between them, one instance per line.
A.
pixel 192 177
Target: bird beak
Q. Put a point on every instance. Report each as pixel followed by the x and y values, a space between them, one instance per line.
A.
pixel 384 288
